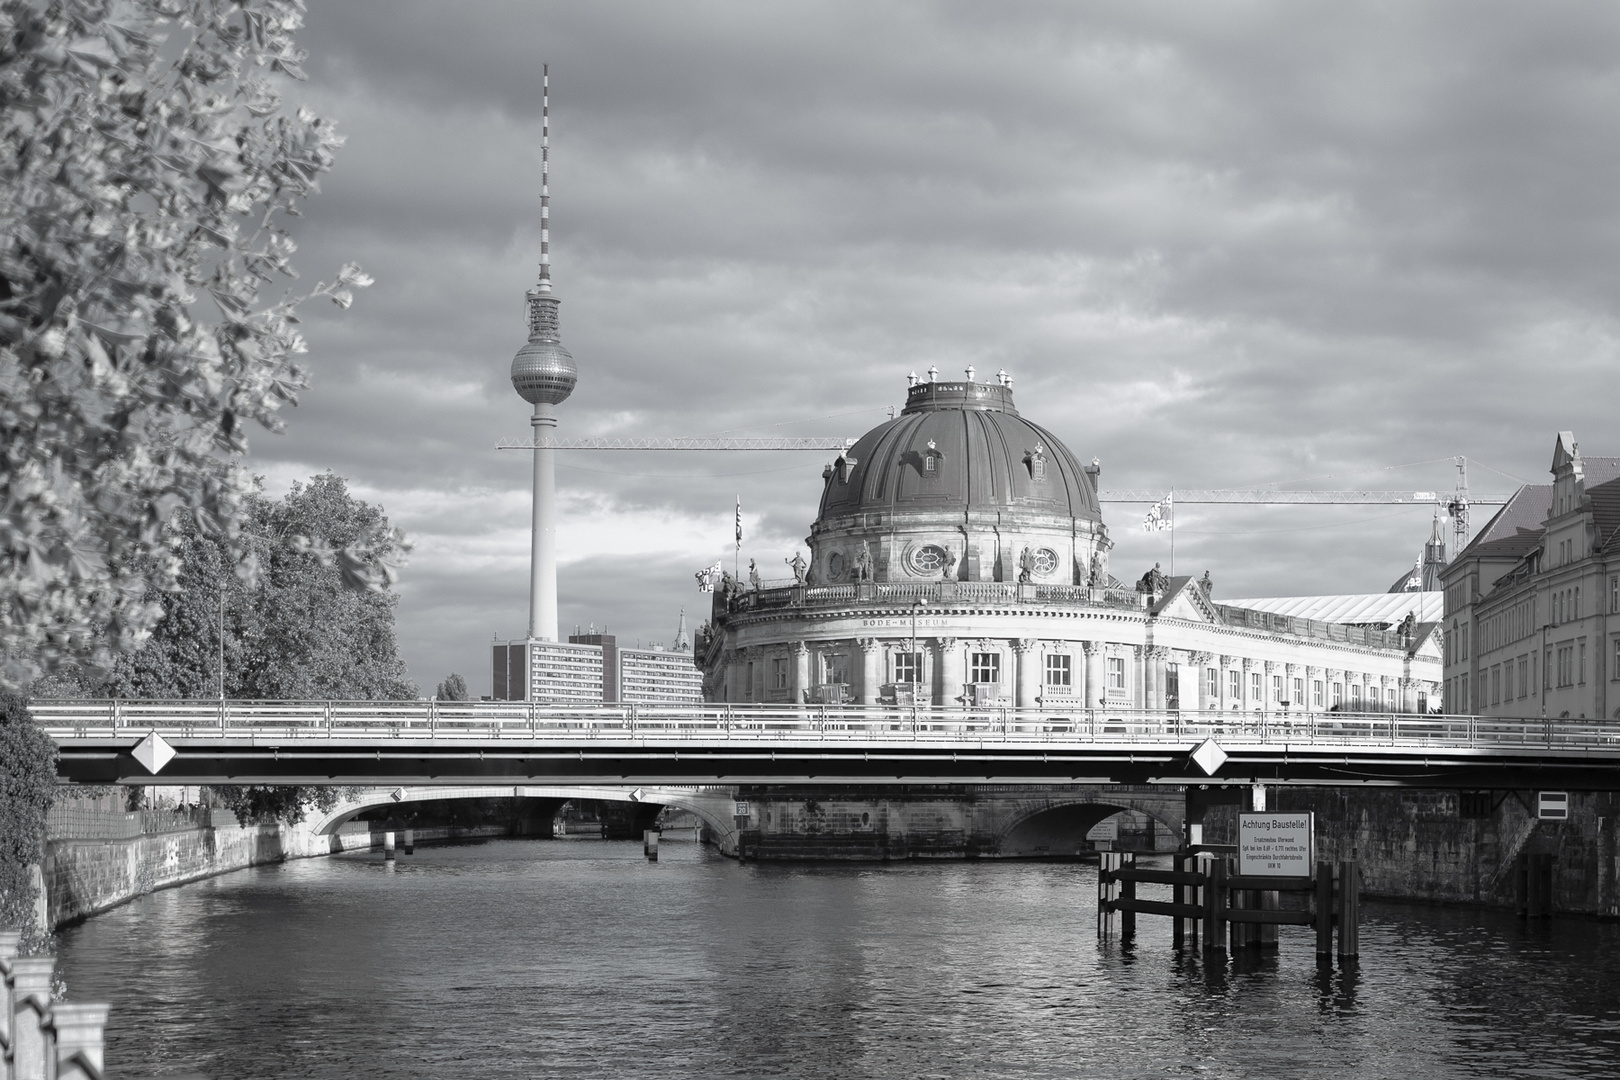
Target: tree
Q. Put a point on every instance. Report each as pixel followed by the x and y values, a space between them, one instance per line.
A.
pixel 147 173
pixel 294 631
pixel 27 787
pixel 453 688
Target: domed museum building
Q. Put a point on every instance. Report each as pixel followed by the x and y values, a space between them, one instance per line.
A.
pixel 960 558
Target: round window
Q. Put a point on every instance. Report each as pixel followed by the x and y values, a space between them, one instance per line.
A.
pixel 1046 561
pixel 835 565
pixel 929 559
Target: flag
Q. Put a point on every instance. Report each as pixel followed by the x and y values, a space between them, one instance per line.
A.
pixel 708 578
pixel 1159 516
pixel 739 523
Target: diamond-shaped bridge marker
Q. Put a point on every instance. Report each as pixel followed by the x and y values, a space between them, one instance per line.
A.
pixel 153 752
pixel 1209 756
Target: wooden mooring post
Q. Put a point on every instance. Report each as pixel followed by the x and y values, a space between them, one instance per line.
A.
pixel 1349 910
pixel 649 844
pixel 1236 910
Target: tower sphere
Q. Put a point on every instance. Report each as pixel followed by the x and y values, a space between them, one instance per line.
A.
pixel 543 372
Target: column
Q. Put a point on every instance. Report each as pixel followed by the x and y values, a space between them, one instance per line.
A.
pixel 1137 679
pixel 801 671
pixel 1160 662
pixel 733 681
pixel 1028 654
pixel 871 669
pixel 948 673
pixel 1408 695
pixel 1199 662
pixel 1246 696
pixel 1094 675
pixel 1151 690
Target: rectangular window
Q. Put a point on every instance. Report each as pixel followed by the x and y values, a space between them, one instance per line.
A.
pixel 1616 658
pixel 1298 697
pixel 1172 686
pixel 1316 693
pixel 1355 697
pixel 1338 694
pixel 1277 688
pixel 779 673
pixel 1234 685
pixel 1116 674
pixel 1058 670
pixel 1614 595
pixel 907 667
pixel 1566 664
pixel 1212 684
pixel 1580 673
pixel 836 667
pixel 1507 681
pixel 1496 684
pixel 986 667
pixel 1524 676
pixel 1255 687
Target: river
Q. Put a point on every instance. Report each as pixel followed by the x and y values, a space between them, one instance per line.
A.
pixel 579 958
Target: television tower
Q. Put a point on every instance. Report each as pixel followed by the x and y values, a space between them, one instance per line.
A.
pixel 544 374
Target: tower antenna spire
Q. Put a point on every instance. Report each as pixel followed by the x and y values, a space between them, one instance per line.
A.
pixel 544 374
pixel 545 177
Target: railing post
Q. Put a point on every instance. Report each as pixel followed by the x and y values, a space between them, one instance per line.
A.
pixel 75 1030
pixel 1107 917
pixel 30 1000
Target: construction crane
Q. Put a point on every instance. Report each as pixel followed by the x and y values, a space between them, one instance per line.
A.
pixel 1455 504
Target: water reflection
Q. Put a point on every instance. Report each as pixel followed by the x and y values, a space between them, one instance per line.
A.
pixel 522 958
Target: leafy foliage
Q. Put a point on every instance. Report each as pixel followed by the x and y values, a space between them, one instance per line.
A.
pixel 147 173
pixel 453 688
pixel 294 631
pixel 27 787
pixel 264 805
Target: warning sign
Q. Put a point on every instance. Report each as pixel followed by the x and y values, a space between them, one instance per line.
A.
pixel 1275 845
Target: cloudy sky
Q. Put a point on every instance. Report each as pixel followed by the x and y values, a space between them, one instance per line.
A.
pixel 1216 244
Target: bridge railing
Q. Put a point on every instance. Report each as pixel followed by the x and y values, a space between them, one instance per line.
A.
pixel 266 721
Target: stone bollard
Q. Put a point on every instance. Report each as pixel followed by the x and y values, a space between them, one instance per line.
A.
pixel 649 844
pixel 30 1001
pixel 76 1031
pixel 410 841
pixel 388 846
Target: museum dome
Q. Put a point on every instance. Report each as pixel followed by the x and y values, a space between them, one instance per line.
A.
pixel 955 447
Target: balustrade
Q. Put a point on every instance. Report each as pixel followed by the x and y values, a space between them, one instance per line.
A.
pixel 43 1039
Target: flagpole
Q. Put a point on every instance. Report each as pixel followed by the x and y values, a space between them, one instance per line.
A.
pixel 1171 506
pixel 736 558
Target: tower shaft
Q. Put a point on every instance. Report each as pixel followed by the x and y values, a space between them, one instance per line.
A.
pixel 543 543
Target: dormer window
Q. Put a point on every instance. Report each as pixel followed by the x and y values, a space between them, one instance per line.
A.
pixel 1035 461
pixel 844 466
pixel 930 461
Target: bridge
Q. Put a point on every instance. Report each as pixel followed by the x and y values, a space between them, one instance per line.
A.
pixel 447 743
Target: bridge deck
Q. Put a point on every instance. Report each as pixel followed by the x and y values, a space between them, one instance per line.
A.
pixel 442 742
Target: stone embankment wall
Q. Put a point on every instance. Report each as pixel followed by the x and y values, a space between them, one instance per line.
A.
pixel 1417 845
pixel 84 875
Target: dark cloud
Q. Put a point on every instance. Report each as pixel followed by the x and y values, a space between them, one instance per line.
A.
pixel 1217 244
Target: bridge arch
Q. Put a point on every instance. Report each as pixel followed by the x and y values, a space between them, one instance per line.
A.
pixel 711 805
pixel 1056 823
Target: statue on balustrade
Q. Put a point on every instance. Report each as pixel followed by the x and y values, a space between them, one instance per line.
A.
pixel 863 562
pixel 1153 582
pixel 753 574
pixel 798 566
pixel 1026 567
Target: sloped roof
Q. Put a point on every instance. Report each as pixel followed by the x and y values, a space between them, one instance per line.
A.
pixel 1516 528
pixel 1352 608
pixel 1606 511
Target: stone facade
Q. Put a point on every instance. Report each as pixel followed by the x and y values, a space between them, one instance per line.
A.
pixel 959 558
pixel 1532 612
